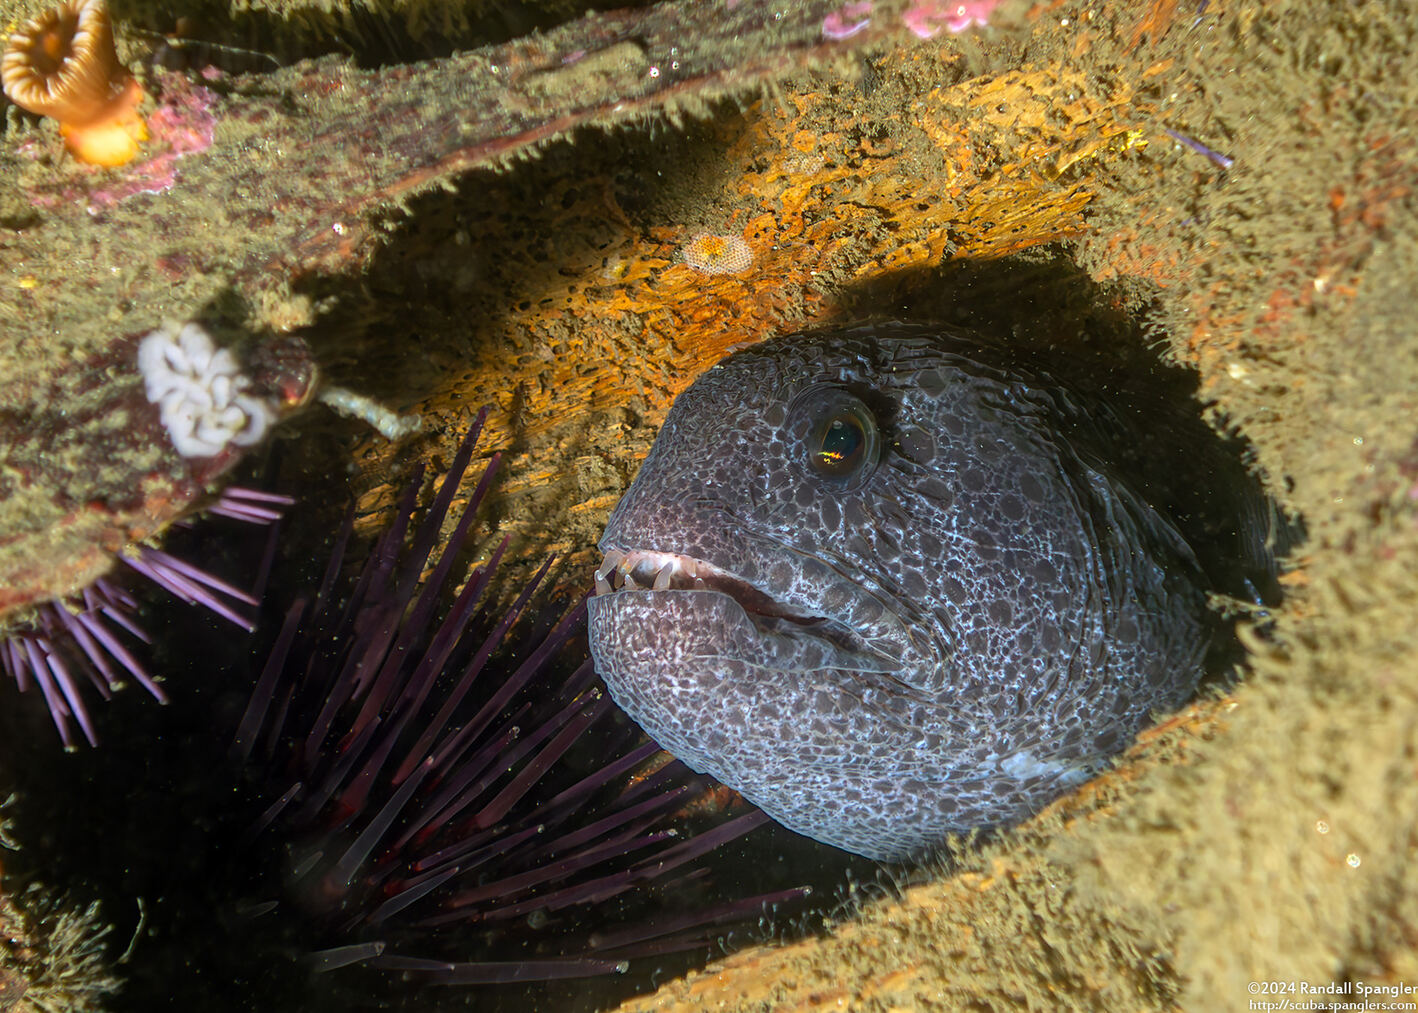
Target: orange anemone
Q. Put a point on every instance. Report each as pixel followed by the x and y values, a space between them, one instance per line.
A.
pixel 63 65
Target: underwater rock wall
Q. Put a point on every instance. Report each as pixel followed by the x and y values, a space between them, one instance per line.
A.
pixel 1238 178
pixel 1263 836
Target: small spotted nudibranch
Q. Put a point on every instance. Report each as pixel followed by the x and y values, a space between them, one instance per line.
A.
pixel 711 254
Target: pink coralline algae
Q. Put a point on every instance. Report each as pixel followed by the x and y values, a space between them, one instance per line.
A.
pixel 183 125
pixel 847 21
pixel 927 18
pixel 180 126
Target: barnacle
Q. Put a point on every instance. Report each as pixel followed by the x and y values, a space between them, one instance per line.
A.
pixel 201 392
pixel 63 65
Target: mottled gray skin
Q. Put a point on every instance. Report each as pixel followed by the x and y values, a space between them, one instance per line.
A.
pixel 997 613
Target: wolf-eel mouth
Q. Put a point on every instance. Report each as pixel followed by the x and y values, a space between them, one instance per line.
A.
pixel 650 570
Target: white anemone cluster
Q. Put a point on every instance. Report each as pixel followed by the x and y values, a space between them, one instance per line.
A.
pixel 201 391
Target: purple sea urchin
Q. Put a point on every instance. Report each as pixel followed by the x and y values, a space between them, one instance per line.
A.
pixel 90 485
pixel 451 820
pixel 67 645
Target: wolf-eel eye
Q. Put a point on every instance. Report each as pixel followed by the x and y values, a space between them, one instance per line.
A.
pixel 841 435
